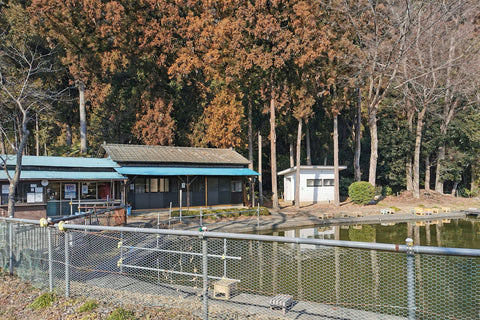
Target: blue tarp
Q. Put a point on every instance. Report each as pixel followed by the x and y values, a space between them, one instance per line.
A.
pixel 185 171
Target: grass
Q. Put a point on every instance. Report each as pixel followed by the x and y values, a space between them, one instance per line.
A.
pixel 43 301
pixel 88 306
pixel 228 213
pixel 121 314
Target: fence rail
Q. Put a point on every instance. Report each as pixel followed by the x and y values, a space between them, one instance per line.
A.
pixel 243 274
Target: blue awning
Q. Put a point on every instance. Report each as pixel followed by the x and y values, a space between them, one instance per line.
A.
pixel 64 175
pixel 183 171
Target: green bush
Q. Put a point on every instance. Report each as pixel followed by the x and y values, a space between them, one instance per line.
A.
pixel 387 191
pixel 225 213
pixel 44 301
pixel 89 305
pixel 361 192
pixel 121 314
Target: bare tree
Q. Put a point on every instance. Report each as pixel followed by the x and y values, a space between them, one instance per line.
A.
pixel 23 95
pixel 460 48
pixel 432 74
pixel 383 43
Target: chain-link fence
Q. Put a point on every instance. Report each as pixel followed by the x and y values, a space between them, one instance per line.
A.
pixel 245 275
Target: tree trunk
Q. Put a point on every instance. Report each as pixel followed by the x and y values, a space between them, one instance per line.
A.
pixel 307 142
pixel 474 178
pixel 372 121
pixel 427 173
pixel 416 156
pixel 273 150
pixel 336 177
pixel 358 142
pixel 438 179
pixel 83 116
pixel 297 171
pixel 18 166
pixel 292 158
pixel 250 137
pixel 37 136
pixel 260 185
pixel 408 166
pixel 250 152
pixel 454 189
pixel 2 144
pixel 68 130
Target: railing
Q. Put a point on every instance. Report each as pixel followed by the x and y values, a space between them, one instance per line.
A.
pixel 239 274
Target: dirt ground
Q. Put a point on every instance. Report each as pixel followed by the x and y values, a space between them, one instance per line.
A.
pixel 403 203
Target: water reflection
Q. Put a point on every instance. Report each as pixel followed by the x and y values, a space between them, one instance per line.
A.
pixel 442 233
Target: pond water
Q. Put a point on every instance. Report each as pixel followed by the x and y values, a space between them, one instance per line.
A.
pixel 439 233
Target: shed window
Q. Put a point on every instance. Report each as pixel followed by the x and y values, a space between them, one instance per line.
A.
pixel 314 182
pixel 236 186
pixel 328 182
pixel 163 185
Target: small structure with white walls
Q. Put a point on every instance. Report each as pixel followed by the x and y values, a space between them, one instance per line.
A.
pixel 316 183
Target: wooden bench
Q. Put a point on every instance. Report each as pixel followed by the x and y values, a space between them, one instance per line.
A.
pixel 224 288
pixel 282 302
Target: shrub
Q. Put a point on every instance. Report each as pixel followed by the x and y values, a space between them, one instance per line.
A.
pixel 121 314
pixel 387 191
pixel 89 305
pixel 44 301
pixel 361 192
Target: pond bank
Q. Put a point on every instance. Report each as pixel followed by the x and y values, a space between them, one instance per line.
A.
pixel 280 219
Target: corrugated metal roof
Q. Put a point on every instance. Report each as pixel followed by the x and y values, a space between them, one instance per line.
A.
pixel 62 162
pixel 64 175
pixel 182 171
pixel 309 168
pixel 147 154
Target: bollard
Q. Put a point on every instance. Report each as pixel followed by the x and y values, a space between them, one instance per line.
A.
pixel 410 279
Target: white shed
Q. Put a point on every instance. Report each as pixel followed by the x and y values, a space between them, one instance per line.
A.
pixel 316 183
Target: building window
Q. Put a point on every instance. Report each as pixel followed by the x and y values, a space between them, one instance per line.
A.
pixel 314 182
pixel 328 182
pixel 140 185
pixel 89 190
pixel 154 185
pixel 236 186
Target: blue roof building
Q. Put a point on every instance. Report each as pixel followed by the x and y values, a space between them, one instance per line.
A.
pixel 147 177
pixel 160 176
pixel 52 186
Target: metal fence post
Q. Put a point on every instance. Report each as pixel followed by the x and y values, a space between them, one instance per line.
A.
pixel 121 252
pixel 410 279
pixel 10 247
pixel 205 277
pixel 67 266
pixel 50 259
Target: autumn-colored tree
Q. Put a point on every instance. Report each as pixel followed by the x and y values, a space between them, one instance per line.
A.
pixel 89 32
pixel 155 125
pixel 223 120
pixel 269 37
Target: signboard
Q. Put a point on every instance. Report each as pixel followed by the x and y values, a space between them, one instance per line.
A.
pixel 84 189
pixel 30 197
pixel 70 191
